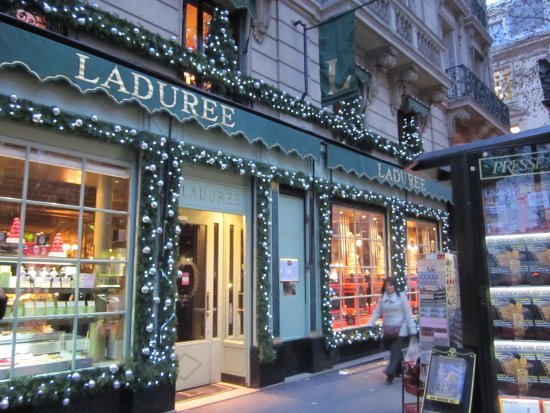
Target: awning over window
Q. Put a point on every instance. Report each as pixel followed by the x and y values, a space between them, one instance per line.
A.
pixel 249 5
pixel 417 106
pixel 385 173
pixel 50 60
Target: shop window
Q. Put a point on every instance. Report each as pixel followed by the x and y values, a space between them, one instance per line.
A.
pixel 358 265
pixel 64 222
pixel 422 238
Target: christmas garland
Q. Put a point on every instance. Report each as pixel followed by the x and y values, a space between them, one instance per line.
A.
pixel 215 69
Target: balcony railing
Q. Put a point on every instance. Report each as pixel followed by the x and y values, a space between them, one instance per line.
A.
pixel 402 22
pixel 479 12
pixel 466 84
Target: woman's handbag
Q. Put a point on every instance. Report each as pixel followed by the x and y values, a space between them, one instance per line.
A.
pixel 390 331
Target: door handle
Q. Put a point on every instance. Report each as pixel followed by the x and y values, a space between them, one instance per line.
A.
pixel 208 303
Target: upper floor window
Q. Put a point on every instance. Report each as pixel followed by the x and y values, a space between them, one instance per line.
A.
pixel 503 84
pixel 197 14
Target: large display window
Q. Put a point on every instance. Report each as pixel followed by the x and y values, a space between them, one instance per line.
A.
pixel 64 262
pixel 515 196
pixel 358 265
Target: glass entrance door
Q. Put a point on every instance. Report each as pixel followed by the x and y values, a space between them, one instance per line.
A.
pixel 210 305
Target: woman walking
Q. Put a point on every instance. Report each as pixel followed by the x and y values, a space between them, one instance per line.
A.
pixel 398 324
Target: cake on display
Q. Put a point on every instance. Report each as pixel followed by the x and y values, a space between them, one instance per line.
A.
pixel 56 249
pixel 15 231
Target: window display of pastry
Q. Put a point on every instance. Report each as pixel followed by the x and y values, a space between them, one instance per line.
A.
pixel 15 232
pixel 56 249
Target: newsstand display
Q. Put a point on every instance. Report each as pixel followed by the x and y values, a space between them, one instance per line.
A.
pixel 515 192
pixel 500 229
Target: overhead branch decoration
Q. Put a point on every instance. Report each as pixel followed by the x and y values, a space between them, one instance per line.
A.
pixel 216 68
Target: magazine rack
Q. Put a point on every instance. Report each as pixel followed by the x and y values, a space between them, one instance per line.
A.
pixel 411 384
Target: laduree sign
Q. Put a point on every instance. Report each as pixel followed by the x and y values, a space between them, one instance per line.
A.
pixel 385 173
pixel 50 60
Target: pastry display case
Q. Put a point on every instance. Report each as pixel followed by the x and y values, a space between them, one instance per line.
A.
pixel 64 224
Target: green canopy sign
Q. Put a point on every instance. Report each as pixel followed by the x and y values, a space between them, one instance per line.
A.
pixel 50 60
pixel 385 173
pixel 337 59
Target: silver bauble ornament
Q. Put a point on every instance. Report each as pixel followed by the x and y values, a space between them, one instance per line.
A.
pixel 145 351
pixel 146 250
pixel 113 368
pixel 13 98
pixel 56 111
pixel 145 289
pixel 5 403
pixel 91 384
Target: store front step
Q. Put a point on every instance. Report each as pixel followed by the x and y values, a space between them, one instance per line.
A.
pixel 212 393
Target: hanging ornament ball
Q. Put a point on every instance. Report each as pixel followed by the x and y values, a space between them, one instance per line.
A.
pixel 152 167
pixel 95 6
pixel 212 62
pixel 154 204
pixel 94 118
pixel 178 230
pixel 113 368
pixel 173 356
pixel 167 302
pixel 170 213
pixel 75 376
pixel 149 328
pixel 78 122
pixel 145 351
pixel 222 59
pixel 13 98
pixel 144 146
pixel 236 49
pixel 175 164
pixel 37 118
pixel 118 128
pixel 152 271
pixel 256 85
pixel 164 156
pixel 152 51
pixel 146 219
pixel 47 8
pixel 159 230
pixel 81 21
pixel 66 401
pixel 171 261
pixel 116 384
pixel 146 250
pixel 5 403
pixel 56 111
pixel 169 245
pixel 129 374
pixel 145 289
pixel 91 383
pixel 114 31
pixel 160 183
pixel 156 300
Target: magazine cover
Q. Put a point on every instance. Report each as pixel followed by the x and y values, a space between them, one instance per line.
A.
pixel 541 306
pixel 517 371
pixel 446 379
pixel 513 314
pixel 543 360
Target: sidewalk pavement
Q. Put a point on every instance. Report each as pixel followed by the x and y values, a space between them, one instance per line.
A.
pixel 355 386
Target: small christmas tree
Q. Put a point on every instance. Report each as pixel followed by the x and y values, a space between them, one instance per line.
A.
pixel 57 247
pixel 15 231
